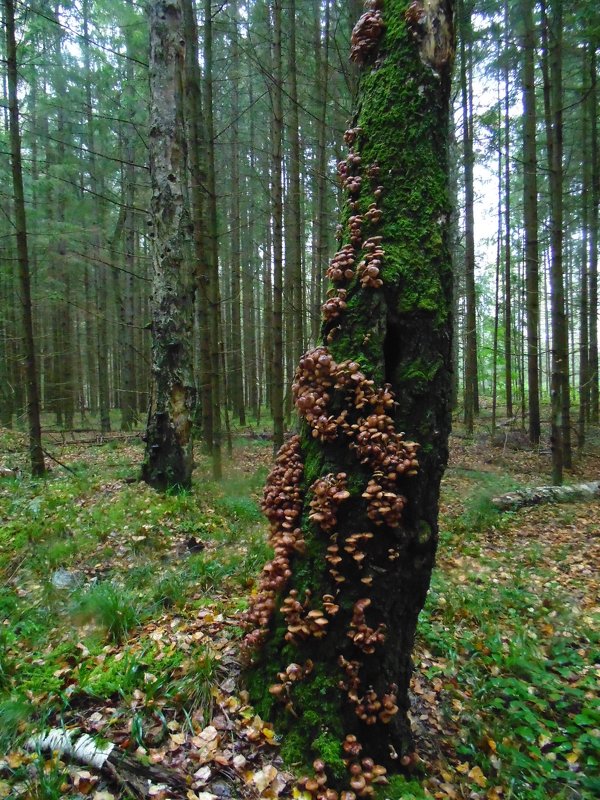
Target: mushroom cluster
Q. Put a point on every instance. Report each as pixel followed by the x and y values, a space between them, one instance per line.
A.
pixel 351 135
pixel 351 684
pixel 370 265
pixel 341 267
pixel 328 492
pixel 355 227
pixel 353 546
pixel 373 214
pixel 292 674
pixel 335 305
pixel 364 776
pixel 334 558
pixel 302 623
pixel 310 388
pixel 364 637
pixel 282 503
pixel 384 505
pixel 366 35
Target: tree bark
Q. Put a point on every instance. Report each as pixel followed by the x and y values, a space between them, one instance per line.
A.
pixel 196 151
pixel 168 459
pixel 237 377
pixel 36 454
pixel 353 515
pixel 214 294
pixel 530 218
pixel 553 98
pixel 594 227
pixel 277 198
pixel 508 316
pixel 471 377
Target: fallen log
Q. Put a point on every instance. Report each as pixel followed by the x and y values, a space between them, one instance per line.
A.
pixel 547 494
pixel 141 780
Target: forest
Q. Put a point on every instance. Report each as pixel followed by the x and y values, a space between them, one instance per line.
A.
pixel 299 399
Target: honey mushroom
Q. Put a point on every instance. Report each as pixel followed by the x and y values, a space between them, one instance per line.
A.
pixel 334 306
pixel 293 673
pixel 363 636
pixel 282 503
pixel 366 35
pixel 341 267
pixel 351 135
pixel 328 492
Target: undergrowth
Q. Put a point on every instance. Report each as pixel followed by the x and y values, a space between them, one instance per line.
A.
pixel 107 591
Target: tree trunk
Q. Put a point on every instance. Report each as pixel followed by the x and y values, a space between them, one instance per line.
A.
pixel 214 295
pixel 552 68
pixel 276 192
pixel 237 377
pixel 508 320
pixel 168 460
pixel 593 269
pixel 583 277
pixel 471 377
pixel 196 151
pixel 530 218
pixel 320 218
pixel 341 598
pixel 294 265
pixel 36 454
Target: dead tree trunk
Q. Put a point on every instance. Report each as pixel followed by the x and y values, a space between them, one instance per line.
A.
pixel 353 511
pixel 168 460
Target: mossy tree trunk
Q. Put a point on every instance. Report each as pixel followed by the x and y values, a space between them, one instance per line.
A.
pixel 353 511
pixel 168 460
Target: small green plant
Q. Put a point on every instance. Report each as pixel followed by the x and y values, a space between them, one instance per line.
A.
pixel 206 573
pixel 170 590
pixel 49 779
pixel 114 608
pixel 240 509
pixel 194 690
pixel 14 713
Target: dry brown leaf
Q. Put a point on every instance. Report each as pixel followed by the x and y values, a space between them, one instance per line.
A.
pixel 478 777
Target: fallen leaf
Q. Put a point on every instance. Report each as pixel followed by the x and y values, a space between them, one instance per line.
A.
pixel 264 777
pixel 478 777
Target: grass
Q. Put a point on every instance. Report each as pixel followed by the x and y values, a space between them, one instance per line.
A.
pixel 504 635
pixel 64 648
pixel 515 655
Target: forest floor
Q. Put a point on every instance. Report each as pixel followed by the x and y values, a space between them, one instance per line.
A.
pixel 119 616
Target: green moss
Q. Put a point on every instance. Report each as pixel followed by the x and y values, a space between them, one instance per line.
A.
pixel 401 788
pixel 313 456
pixel 418 373
pixel 329 748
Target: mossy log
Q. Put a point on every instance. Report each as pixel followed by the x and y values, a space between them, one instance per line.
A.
pixel 547 494
pixel 353 505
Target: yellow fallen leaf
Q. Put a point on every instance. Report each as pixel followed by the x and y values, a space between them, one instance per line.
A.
pixel 15 760
pixel 478 777
pixel 268 733
pixel 572 758
pixel 298 794
pixel 463 768
pixel 5 789
pixel 264 777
